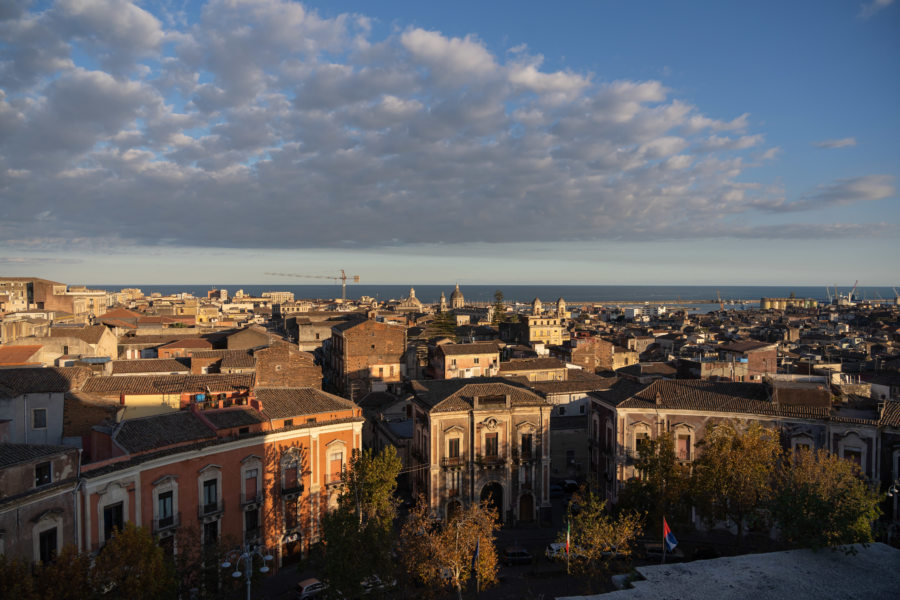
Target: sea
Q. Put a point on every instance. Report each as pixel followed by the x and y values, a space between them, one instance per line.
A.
pixel 733 296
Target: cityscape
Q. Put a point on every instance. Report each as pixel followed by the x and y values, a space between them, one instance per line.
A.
pixel 498 301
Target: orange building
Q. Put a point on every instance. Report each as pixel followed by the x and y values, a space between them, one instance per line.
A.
pixel 262 473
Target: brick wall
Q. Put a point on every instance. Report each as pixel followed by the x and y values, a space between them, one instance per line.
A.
pixel 282 365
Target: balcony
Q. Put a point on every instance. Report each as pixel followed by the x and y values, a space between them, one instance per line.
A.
pixel 491 461
pixel 211 509
pixel 684 455
pixel 334 478
pixel 250 500
pixel 292 489
pixel 163 524
pixel 523 457
pixel 453 462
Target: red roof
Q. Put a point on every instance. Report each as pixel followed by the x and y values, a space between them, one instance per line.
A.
pixel 189 343
pixel 120 313
pixel 18 355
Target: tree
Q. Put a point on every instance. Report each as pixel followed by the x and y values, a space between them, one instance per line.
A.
pixel 132 565
pixel 662 486
pixel 735 472
pixel 445 324
pixel 595 537
pixel 822 500
pixel 15 579
pixel 68 577
pixel 363 519
pixel 443 553
pixel 499 308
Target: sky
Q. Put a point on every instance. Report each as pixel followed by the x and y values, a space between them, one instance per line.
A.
pixel 580 142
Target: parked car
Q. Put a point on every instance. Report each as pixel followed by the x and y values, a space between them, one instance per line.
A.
pixel 570 486
pixel 310 588
pixel 375 584
pixel 516 555
pixel 557 551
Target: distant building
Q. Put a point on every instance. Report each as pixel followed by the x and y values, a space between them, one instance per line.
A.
pixel 365 356
pixel 463 361
pixel 456 298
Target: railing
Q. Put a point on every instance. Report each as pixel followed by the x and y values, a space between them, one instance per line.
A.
pixel 333 478
pixel 684 455
pixel 212 508
pixel 250 498
pixel 293 488
pixel 161 524
pixel 453 461
pixel 491 460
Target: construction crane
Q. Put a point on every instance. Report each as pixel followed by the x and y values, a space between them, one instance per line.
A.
pixel 343 277
pixel 850 295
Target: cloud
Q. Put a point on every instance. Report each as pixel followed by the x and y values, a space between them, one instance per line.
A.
pixel 842 192
pixel 841 143
pixel 38 260
pixel 870 8
pixel 260 124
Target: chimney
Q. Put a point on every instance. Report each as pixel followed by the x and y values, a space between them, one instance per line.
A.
pixel 658 399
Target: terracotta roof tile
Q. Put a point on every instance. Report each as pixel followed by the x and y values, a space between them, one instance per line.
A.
pixel 463 349
pixel 13 454
pixel 168 384
pixel 15 382
pixel 449 395
pixel 157 431
pixel 18 355
pixel 531 364
pixel 90 333
pixel 149 365
pixel 284 402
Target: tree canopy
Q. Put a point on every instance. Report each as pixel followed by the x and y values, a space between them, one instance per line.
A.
pixel 595 537
pixel 823 500
pixel 358 535
pixel 734 475
pixel 439 554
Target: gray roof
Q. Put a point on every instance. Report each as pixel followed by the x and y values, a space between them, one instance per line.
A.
pixel 15 382
pixel 448 395
pixel 285 402
pixel 531 364
pixel 168 384
pixel 235 417
pixel 13 454
pixel 463 349
pixel 870 572
pixel 149 365
pixel 149 433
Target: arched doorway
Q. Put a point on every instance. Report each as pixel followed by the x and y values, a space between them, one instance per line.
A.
pixel 453 509
pixel 493 493
pixel 526 508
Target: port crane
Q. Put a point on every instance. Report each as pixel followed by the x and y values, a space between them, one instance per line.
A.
pixel 343 277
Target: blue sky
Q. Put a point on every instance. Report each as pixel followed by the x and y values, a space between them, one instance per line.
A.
pixel 499 142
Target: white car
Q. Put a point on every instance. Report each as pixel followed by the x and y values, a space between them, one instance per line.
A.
pixel 557 550
pixel 310 588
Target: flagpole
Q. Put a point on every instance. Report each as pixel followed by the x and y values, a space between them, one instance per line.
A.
pixel 664 542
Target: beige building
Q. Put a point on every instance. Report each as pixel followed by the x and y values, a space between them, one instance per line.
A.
pixel 480 439
pixel 463 361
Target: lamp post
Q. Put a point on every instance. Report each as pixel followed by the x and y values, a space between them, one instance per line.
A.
pixel 246 553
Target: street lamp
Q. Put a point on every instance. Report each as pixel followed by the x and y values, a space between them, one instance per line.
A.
pixel 246 553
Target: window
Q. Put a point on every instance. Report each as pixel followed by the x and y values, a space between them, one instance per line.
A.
pixel 39 418
pixel 570 457
pixel 164 509
pixel 336 463
pixel 211 532
pixel 491 444
pixel 43 474
pixel 526 445
pixel 640 439
pixel 453 448
pixel 853 455
pixel 581 409
pixel 290 515
pixel 477 360
pixel 251 522
pixel 288 422
pixel 210 495
pixel 683 447
pixel 47 545
pixel 562 410
pixel 112 519
pixel 251 477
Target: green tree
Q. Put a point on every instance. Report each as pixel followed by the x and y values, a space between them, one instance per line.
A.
pixel 363 519
pixel 662 485
pixel 131 565
pixel 734 475
pixel 822 500
pixel 68 577
pixel 438 554
pixel 499 308
pixel 595 537
pixel 445 324
pixel 16 580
